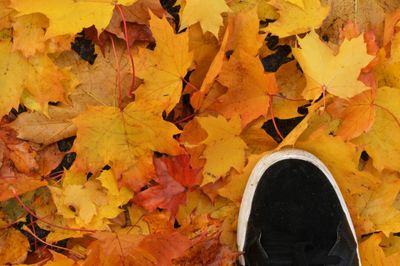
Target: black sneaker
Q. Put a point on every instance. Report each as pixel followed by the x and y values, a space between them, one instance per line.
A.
pixel 293 213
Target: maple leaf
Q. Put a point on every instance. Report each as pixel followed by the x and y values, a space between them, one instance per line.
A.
pixel 225 149
pixel 213 71
pixel 209 18
pixel 163 69
pixel 257 140
pixel 69 16
pixel 244 74
pixel 299 3
pixel 236 183
pixel 29 34
pixel 264 9
pixel 208 251
pixel 338 75
pixel 91 202
pixel 245 33
pixel 116 248
pixel 13 68
pixel 38 128
pixel 387 71
pixel 381 140
pixel 200 214
pixel 192 137
pixel 295 19
pixel 357 114
pixel 59 260
pixel 45 82
pixel 174 177
pixel 373 254
pixel 138 175
pixel 204 48
pixel 97 86
pixel 107 135
pixel 49 158
pixel 41 78
pixel 379 212
pixel 169 245
pixel 334 151
pixel 299 130
pixel 291 83
pixel 126 248
pixel 18 166
pixel 138 12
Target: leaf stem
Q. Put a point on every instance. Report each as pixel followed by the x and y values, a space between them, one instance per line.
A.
pixel 190 84
pixel 51 245
pixel 184 119
pixel 273 119
pixel 133 84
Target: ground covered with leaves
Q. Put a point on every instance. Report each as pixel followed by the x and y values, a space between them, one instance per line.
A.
pixel 129 128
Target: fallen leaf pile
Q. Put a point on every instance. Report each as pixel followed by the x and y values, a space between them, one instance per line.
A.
pixel 129 128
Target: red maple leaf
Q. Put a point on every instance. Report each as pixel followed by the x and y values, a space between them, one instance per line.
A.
pixel 175 177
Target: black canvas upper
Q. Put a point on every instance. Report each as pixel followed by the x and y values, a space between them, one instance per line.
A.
pixel 296 219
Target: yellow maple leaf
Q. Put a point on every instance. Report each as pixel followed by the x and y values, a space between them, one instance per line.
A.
pixel 381 141
pixel 164 68
pixel 78 199
pixel 42 79
pixel 70 16
pixel 13 68
pixel 115 197
pixel 379 213
pixel 90 203
pixel 342 160
pixel 294 19
pixel 337 75
pixel 107 135
pixel 372 253
pixel 225 149
pixel 237 181
pixel 207 12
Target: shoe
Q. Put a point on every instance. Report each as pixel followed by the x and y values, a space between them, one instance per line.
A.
pixel 293 213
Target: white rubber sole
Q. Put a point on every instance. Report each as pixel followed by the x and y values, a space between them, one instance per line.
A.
pixel 264 163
